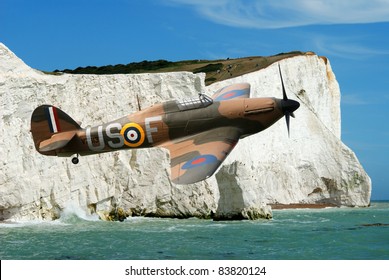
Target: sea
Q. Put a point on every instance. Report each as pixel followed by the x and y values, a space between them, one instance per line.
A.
pixel 292 234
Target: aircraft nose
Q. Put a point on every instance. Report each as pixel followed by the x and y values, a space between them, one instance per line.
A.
pixel 289 106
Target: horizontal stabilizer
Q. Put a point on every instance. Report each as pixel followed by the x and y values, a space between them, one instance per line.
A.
pixel 57 141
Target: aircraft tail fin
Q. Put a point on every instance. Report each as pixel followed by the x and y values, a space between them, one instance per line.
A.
pixel 52 129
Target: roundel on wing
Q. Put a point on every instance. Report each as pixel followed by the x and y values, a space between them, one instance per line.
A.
pixel 231 94
pixel 199 161
pixel 133 135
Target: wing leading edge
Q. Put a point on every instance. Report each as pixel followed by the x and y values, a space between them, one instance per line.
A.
pixel 197 157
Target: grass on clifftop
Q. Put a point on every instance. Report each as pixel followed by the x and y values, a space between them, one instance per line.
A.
pixel 215 70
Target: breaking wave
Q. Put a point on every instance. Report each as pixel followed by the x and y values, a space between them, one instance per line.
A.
pixel 72 213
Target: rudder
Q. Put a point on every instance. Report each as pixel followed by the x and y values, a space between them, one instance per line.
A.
pixel 46 121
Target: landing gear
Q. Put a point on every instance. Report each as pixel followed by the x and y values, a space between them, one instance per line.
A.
pixel 75 160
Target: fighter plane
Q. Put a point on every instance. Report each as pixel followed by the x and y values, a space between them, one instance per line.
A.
pixel 199 133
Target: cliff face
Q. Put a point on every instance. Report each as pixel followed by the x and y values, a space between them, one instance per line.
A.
pixel 312 166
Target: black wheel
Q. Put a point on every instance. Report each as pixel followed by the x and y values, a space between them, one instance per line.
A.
pixel 75 160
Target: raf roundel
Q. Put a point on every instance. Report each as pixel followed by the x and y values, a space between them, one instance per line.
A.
pixel 133 135
pixel 232 94
pixel 200 161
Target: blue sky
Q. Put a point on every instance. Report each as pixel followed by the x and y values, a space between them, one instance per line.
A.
pixel 353 34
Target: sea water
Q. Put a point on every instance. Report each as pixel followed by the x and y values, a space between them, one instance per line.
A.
pixel 301 234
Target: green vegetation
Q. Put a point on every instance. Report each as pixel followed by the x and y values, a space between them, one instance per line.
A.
pixel 213 67
pixel 135 67
pixel 215 71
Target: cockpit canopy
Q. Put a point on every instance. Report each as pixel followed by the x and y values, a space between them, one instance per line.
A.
pixel 201 101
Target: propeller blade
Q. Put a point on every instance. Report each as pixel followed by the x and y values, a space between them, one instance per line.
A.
pixel 288 105
pixel 285 97
pixel 287 118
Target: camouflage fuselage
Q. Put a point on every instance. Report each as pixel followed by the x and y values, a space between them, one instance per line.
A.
pixel 199 133
pixel 167 123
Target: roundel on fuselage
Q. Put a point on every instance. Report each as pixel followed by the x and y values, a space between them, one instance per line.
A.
pixel 133 135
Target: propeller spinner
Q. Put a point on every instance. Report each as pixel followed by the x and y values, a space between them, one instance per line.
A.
pixel 288 106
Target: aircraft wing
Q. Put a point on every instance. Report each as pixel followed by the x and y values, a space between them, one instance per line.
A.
pixel 197 157
pixel 233 91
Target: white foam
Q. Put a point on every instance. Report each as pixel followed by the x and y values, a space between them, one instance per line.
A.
pixel 72 209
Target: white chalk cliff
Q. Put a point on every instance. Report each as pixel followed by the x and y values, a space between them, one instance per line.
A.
pixel 312 166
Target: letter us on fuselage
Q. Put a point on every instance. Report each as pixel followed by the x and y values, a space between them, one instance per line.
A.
pixel 125 134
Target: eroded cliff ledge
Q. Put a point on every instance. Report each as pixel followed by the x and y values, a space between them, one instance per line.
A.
pixel 313 166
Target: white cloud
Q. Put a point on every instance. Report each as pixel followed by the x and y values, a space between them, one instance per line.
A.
pixel 353 99
pixel 349 47
pixel 267 14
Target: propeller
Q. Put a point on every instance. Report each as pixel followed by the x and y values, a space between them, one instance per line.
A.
pixel 288 106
